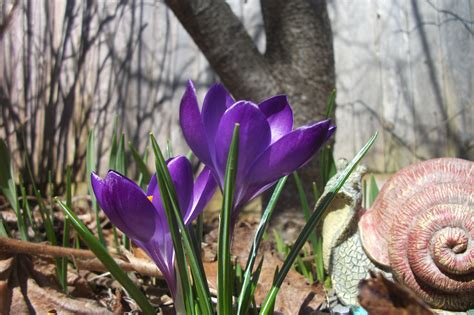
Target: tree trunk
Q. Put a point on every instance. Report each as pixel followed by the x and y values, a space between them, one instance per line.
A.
pixel 298 60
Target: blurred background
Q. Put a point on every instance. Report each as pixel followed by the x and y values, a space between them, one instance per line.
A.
pixel 403 68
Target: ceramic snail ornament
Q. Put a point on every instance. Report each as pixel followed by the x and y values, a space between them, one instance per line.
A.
pixel 420 231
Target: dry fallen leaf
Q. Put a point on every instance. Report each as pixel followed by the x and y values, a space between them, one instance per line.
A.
pixel 379 295
pixel 25 289
pixel 295 295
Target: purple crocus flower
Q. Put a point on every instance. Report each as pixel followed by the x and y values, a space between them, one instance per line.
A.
pixel 269 148
pixel 142 217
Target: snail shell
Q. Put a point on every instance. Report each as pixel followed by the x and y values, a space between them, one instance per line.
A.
pixel 421 226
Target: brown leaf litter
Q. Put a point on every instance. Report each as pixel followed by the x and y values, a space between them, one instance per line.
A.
pixel 378 295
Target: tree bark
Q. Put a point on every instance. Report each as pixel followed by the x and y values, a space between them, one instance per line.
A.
pixel 298 60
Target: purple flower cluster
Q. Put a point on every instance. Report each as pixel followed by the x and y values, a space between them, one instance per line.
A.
pixel 141 215
pixel 269 148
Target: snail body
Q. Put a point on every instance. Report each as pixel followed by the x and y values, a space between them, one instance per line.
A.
pixel 420 229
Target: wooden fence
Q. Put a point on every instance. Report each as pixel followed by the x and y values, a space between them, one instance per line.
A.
pixel 403 68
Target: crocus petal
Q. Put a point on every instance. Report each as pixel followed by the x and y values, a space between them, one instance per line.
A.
pixel 330 132
pixel 254 137
pixel 287 154
pixel 181 174
pixel 161 251
pixel 279 115
pixel 216 102
pixel 192 125
pixel 152 186
pixel 126 205
pixel 252 192
pixel 204 189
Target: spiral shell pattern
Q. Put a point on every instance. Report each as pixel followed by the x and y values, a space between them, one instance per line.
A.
pixel 428 231
pixel 432 251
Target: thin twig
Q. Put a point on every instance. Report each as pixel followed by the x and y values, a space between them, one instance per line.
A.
pixel 85 259
pixel 8 19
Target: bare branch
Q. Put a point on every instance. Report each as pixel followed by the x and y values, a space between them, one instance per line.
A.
pixel 83 258
pixel 5 22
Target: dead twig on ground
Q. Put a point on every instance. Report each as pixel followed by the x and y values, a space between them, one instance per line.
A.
pixel 85 259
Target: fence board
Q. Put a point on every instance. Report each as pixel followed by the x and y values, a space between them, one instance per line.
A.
pixel 402 67
pixel 422 99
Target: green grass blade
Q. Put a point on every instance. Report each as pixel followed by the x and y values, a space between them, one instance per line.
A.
pixel 169 150
pixel 121 167
pixel 27 209
pixel 310 225
pixel 48 224
pixel 113 151
pixel 327 164
pixel 142 180
pixel 199 229
pixel 189 155
pixel 120 162
pixel 180 259
pixel 315 190
pixel 199 278
pixel 281 246
pixel 303 269
pixel 330 104
pixel 7 185
pixel 8 188
pixel 91 167
pixel 246 291
pixel 3 230
pixel 364 193
pixel 255 278
pixel 326 158
pixel 101 253
pixel 224 264
pixel 197 245
pixel 313 238
pixel 50 215
pixel 141 163
pixel 37 193
pixel 64 260
pixel 112 164
pixel 374 190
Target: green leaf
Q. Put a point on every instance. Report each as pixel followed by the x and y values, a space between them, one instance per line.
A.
pixel 247 290
pixel 121 167
pixel 281 246
pixel 169 150
pixel 91 167
pixel 48 224
pixel 313 238
pixel 7 184
pixel 64 260
pixel 316 193
pixel 327 164
pixel 187 292
pixel 113 151
pixel 330 104
pixel 303 269
pixel 120 162
pixel 224 265
pixel 3 230
pixel 8 188
pixel 141 163
pixel 374 190
pixel 112 166
pixel 101 253
pixel 174 214
pixel 27 209
pixel 267 305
